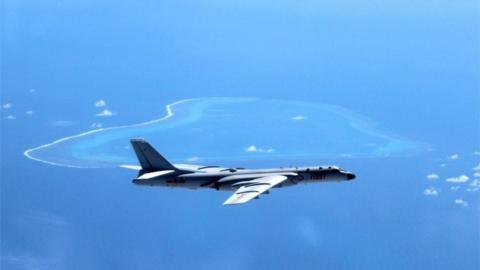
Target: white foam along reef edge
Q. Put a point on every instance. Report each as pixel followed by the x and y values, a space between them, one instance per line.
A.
pixel 28 153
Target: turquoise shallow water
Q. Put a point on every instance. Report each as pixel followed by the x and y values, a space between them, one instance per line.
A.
pixel 220 130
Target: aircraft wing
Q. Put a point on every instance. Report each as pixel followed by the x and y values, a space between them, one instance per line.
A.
pixel 253 188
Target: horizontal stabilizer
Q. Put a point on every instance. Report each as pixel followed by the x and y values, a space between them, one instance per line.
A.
pixel 131 167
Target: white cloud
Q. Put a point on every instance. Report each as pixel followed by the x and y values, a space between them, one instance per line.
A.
pixel 298 118
pixel 476 153
pixel 100 103
pixel 443 165
pixel 454 156
pixel 476 168
pixel 454 188
pixel 29 112
pixel 7 105
pixel 460 179
pixel 61 123
pixel 461 202
pixel 432 176
pixel 105 112
pixel 474 186
pixel 431 191
pixel 192 159
pixel 253 148
pixel 96 125
pixel 477 174
pixel 11 117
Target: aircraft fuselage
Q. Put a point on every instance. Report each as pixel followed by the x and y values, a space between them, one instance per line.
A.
pixel 226 179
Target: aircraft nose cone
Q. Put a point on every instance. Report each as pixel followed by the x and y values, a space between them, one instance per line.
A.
pixel 350 176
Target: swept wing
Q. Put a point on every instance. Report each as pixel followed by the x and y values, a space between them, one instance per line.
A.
pixel 251 189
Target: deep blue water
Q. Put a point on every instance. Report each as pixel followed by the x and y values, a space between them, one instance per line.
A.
pixel 413 69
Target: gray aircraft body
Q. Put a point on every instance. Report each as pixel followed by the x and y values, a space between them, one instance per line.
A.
pixel 248 184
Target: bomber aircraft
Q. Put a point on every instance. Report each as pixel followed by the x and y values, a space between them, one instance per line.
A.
pixel 248 184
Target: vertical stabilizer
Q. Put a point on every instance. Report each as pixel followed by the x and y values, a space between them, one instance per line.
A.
pixel 149 158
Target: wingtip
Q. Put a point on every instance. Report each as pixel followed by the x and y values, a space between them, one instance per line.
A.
pixel 230 204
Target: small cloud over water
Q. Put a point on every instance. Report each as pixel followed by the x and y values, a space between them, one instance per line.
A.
pixel 255 149
pixel 431 191
pixel 96 125
pixel 474 186
pixel 454 156
pixel 298 118
pixel 476 168
pixel 461 202
pixel 105 112
pixel 459 179
pixel 454 188
pixel 100 103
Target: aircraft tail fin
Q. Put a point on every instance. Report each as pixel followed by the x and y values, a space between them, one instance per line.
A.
pixel 149 158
